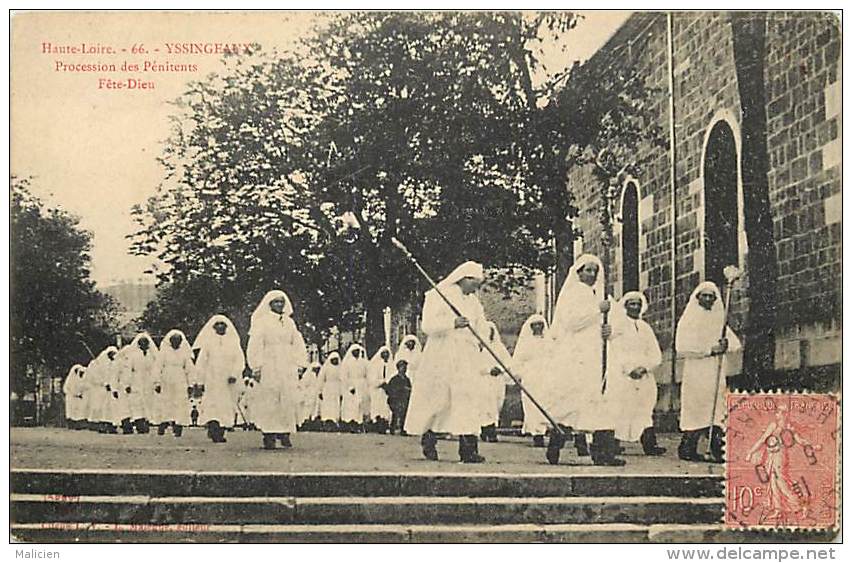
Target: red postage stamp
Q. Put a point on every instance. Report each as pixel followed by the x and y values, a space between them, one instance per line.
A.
pixel 782 456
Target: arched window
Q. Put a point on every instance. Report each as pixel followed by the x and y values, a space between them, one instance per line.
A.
pixel 721 206
pixel 630 238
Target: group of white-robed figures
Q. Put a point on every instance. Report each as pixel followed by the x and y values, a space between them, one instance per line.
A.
pixel 459 381
pixel 354 393
pixel 456 384
pixel 143 384
pixel 135 387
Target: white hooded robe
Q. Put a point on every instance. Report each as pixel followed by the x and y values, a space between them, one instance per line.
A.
pixel 633 345
pixel 353 374
pixel 143 373
pixel 313 388
pixel 450 386
pixel 331 388
pixel 74 389
pixel 412 357
pixel 379 374
pixel 219 367
pixel 698 331
pixel 275 351
pixel 529 360
pixel 99 374
pixel 175 373
pixel 575 381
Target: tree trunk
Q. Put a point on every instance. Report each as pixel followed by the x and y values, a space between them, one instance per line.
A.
pixel 374 333
pixel 750 53
pixel 564 254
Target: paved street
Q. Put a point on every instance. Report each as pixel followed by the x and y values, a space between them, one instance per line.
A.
pixel 59 448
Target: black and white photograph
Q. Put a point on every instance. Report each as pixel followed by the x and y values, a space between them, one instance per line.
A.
pixel 426 276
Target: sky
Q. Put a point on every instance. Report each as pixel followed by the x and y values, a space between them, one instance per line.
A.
pixel 92 150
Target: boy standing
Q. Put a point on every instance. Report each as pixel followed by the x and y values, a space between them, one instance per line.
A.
pixel 398 390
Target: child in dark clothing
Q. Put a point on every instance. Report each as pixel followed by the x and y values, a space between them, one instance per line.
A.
pixel 398 390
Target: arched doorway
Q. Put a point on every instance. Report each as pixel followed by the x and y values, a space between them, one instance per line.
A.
pixel 721 203
pixel 630 238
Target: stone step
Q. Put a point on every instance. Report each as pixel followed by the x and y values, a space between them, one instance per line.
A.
pixel 367 484
pixel 59 532
pixel 363 510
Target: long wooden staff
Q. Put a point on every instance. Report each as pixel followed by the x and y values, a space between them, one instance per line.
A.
pixel 604 307
pixel 482 341
pixel 731 273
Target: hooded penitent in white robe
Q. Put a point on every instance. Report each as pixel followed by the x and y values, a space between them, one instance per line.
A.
pixel 275 351
pixel 143 372
pixel 331 389
pixel 97 387
pixel 380 372
pixel 574 375
pixel 496 386
pixel 353 374
pixel 313 388
pixel 698 331
pixel 219 368
pixel 74 389
pixel 411 356
pixel 99 405
pixel 120 377
pixel 175 373
pixel 529 360
pixel 633 345
pixel 451 382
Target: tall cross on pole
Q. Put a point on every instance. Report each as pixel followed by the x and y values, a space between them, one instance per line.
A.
pixel 610 193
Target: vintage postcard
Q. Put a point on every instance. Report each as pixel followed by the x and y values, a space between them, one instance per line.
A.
pixel 425 277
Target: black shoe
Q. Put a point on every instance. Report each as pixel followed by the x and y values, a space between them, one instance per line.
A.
pixel 285 440
pixel 111 429
pixel 554 447
pixel 648 439
pixel 161 428
pixel 428 442
pixel 488 433
pixel 217 433
pixel 126 426
pixel 404 433
pixel 142 426
pixel 538 441
pixel 469 449
pixel 581 443
pixel 687 450
pixel 269 441
pixel 178 430
pixel 604 449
